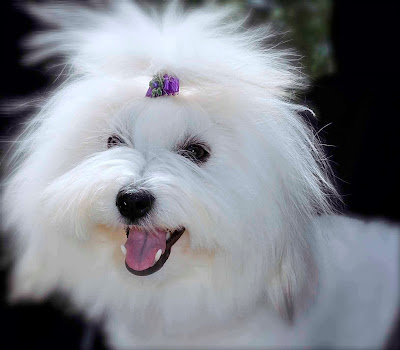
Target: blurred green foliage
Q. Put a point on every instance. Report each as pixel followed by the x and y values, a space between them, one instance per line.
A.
pixel 306 24
pixel 309 23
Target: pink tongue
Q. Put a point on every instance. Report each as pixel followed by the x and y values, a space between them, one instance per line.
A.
pixel 142 247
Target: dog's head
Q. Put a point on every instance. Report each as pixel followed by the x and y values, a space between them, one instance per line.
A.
pixel 210 190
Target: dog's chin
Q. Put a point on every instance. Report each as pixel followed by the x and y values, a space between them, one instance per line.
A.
pixel 146 251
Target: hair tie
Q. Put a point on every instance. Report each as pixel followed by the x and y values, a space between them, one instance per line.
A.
pixel 163 85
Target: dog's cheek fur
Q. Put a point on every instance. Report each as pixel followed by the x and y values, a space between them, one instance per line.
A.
pixel 62 135
pixel 274 198
pixel 85 195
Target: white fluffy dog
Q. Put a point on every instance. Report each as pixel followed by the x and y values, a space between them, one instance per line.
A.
pixel 199 218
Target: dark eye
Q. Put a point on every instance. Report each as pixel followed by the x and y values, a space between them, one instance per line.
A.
pixel 196 153
pixel 114 140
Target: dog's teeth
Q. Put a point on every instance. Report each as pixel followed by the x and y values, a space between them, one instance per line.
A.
pixel 157 257
pixel 168 235
pixel 123 249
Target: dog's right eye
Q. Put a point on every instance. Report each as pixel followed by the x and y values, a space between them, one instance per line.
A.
pixel 114 140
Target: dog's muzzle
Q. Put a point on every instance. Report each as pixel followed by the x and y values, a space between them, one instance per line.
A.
pixel 146 250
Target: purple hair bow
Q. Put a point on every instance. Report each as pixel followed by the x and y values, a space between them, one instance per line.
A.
pixel 163 85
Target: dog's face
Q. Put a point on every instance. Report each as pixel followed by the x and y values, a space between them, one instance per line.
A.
pixel 158 172
pixel 205 196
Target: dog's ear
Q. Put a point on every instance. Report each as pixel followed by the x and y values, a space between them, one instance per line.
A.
pixel 294 282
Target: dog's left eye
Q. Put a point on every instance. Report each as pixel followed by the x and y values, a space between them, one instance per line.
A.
pixel 196 153
pixel 114 140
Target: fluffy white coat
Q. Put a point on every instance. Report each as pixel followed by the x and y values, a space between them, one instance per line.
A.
pixel 263 260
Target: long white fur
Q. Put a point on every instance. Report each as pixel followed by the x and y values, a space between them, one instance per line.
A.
pixel 254 245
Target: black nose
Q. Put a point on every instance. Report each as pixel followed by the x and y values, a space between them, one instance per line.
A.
pixel 134 205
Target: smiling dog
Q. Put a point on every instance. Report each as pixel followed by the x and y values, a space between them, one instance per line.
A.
pixel 171 189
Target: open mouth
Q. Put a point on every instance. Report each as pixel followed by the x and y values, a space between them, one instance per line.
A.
pixel 146 252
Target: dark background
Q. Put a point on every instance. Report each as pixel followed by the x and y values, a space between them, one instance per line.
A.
pixel 358 99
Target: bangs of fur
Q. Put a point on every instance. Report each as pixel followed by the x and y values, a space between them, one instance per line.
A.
pixel 122 40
